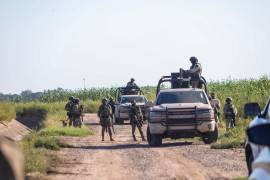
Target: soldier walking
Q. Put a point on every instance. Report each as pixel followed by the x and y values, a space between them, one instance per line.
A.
pixel 104 113
pixel 230 113
pixel 195 72
pixel 215 103
pixel 136 120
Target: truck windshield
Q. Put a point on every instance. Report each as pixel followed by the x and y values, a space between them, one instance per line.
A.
pixel 138 99
pixel 181 97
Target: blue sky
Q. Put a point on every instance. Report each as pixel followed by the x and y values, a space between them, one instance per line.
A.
pixel 50 44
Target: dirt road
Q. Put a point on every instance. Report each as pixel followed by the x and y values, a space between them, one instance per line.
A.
pixel 124 159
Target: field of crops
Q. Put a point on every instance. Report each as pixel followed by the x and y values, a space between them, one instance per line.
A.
pixel 242 91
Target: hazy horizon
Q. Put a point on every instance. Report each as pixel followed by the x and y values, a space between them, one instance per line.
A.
pixel 51 44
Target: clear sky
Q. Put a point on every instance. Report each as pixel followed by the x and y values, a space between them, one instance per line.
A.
pixel 45 44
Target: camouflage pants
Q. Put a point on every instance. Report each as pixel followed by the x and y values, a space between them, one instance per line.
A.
pixel 103 129
pixel 133 128
pixel 106 125
pixel 230 123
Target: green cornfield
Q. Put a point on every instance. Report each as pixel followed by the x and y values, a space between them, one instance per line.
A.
pixel 242 91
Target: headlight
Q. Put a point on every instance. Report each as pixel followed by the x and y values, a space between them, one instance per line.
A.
pixel 207 113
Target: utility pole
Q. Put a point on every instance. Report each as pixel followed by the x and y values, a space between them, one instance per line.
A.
pixel 84 83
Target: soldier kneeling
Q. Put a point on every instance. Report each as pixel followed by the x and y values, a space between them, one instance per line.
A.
pixel 104 113
pixel 136 120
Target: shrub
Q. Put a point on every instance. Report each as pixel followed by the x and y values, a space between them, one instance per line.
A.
pixel 52 143
pixel 65 131
pixel 233 138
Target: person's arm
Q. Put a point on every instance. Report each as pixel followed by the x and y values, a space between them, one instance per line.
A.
pixel 234 110
pixel 195 69
pixel 218 104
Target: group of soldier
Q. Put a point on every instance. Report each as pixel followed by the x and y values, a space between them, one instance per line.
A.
pixel 229 110
pixel 107 108
pixel 106 115
pixel 74 112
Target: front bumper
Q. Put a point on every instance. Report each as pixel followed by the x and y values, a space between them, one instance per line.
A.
pixel 164 128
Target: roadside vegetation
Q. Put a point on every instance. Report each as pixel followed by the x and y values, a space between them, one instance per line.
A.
pixel 7 111
pixel 37 145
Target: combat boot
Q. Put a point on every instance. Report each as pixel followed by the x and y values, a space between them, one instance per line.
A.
pixel 143 139
pixel 134 138
pixel 111 139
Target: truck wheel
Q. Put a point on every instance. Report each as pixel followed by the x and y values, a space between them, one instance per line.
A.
pixel 153 140
pixel 210 137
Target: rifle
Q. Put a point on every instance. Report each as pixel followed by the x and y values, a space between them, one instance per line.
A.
pixel 112 124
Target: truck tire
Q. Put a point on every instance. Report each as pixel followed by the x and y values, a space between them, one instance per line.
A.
pixel 153 139
pixel 119 121
pixel 249 159
pixel 211 137
pixel 116 120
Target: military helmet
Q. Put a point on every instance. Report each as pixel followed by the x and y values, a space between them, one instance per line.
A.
pixel 132 79
pixel 213 94
pixel 71 98
pixel 228 99
pixel 193 59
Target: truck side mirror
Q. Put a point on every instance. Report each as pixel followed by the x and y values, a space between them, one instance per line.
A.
pixel 252 109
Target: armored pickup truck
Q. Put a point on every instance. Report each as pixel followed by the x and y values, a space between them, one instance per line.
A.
pixel 181 111
pixel 124 97
pixel 122 107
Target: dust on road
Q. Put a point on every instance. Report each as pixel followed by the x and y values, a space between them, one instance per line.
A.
pixel 125 159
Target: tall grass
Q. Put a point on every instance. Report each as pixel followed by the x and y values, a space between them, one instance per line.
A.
pixel 242 91
pixel 7 111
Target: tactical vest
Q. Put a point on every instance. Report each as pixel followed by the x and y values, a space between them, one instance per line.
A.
pixel 105 111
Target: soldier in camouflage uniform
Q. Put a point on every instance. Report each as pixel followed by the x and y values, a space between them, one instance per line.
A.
pixel 195 72
pixel 136 119
pixel 104 113
pixel 132 85
pixel 230 113
pixel 215 103
pixel 68 108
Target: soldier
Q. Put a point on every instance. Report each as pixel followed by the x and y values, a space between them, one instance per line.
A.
pixel 131 84
pixel 230 113
pixel 76 112
pixel 215 103
pixel 68 108
pixel 195 72
pixel 136 119
pixel 104 113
